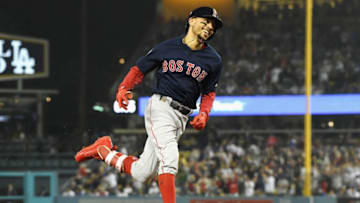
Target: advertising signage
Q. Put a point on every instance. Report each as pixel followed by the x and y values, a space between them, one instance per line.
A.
pixel 277 105
pixel 23 57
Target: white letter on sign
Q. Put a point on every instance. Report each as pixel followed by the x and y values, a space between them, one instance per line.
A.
pixel 22 59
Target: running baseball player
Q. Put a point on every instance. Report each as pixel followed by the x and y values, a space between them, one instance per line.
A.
pixel 186 68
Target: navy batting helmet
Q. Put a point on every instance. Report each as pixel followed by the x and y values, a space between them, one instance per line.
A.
pixel 205 12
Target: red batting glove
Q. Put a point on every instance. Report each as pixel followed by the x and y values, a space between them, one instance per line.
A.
pixel 199 121
pixel 122 97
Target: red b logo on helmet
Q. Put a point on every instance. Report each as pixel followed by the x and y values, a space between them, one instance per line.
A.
pixel 215 14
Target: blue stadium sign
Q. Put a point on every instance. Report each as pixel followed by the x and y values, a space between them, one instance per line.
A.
pixel 276 105
pixel 23 57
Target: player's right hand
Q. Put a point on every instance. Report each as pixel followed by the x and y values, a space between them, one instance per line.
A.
pixel 122 97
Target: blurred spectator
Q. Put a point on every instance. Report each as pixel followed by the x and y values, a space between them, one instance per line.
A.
pixel 11 191
pixel 269 182
pixel 249 186
pixel 109 181
pixel 154 189
pixel 68 192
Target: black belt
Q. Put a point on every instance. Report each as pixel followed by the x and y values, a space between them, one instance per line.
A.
pixel 178 106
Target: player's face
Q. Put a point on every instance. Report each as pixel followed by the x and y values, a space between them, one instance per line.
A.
pixel 203 28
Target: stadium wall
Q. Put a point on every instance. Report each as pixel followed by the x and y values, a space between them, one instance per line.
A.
pixel 31 181
pixel 324 199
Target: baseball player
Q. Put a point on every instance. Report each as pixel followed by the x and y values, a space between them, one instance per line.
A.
pixel 186 68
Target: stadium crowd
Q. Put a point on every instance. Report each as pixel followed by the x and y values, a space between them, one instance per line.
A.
pixel 213 164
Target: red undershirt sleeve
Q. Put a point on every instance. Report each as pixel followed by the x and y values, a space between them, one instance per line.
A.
pixel 132 78
pixel 207 102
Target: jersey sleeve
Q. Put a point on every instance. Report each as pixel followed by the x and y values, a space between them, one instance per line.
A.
pixel 150 61
pixel 211 82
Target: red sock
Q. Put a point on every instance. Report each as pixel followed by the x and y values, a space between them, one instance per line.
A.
pixel 167 187
pixel 127 164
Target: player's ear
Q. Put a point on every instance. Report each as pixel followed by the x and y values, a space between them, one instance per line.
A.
pixel 191 21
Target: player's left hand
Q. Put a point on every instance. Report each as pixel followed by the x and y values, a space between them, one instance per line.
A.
pixel 199 121
pixel 122 97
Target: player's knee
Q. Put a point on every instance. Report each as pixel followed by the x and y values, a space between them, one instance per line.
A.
pixel 170 165
pixel 168 169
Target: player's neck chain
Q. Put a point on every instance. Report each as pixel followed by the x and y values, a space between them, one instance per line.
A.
pixel 183 41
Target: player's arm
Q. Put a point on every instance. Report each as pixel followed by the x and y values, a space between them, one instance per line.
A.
pixel 207 99
pixel 135 76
